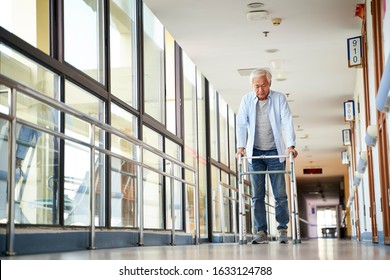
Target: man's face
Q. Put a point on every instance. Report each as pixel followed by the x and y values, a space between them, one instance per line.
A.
pixel 261 87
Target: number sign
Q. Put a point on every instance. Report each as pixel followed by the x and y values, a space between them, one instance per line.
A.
pixel 354 51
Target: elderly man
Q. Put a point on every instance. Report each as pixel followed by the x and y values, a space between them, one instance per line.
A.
pixel 262 116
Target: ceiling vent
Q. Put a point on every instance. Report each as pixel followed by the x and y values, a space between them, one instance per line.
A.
pixel 257 15
pixel 248 71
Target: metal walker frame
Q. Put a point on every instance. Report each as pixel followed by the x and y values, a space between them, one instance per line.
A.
pixel 296 237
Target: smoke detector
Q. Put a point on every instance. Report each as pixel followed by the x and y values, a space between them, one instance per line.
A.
pixel 257 15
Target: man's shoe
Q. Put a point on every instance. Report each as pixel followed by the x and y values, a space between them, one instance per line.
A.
pixel 261 238
pixel 282 237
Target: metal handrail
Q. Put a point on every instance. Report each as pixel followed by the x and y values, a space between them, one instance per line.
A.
pixel 140 165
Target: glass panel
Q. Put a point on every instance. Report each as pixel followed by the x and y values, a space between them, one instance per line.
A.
pixel 4 99
pixel 232 141
pixel 174 151
pixel 123 177
pixel 154 66
pixel 100 194
pixel 223 132
pixel 3 170
pixel 170 82
pixel 234 204
pixel 36 112
pixel 123 51
pixel 84 36
pixel 153 182
pixel 226 201
pixel 213 123
pixel 77 168
pixel 202 168
pixel 27 72
pixel 38 155
pixel 190 136
pixel 77 184
pixel 84 102
pixel 123 193
pixel 37 158
pixel 127 123
pixel 189 81
pixel 215 197
pixel 36 192
pixel 190 209
pixel 34 28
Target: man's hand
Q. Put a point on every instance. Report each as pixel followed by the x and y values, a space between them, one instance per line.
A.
pixel 292 150
pixel 240 151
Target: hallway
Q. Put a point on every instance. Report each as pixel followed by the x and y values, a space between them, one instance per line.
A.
pixel 313 249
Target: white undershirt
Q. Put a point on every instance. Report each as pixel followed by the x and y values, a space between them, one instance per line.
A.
pixel 264 138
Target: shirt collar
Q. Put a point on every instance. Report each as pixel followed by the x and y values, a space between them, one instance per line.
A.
pixel 255 97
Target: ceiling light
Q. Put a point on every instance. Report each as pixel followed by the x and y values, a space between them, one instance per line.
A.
pixel 276 63
pixel 281 76
pixel 271 50
pixel 257 15
pixel 255 5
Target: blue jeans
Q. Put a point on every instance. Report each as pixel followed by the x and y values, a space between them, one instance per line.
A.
pixel 278 184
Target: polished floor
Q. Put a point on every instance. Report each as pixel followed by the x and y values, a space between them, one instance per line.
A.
pixel 313 249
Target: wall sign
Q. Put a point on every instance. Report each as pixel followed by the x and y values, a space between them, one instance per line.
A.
pixel 344 157
pixel 347 137
pixel 349 111
pixel 354 46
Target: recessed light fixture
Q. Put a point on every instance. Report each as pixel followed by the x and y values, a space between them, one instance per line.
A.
pixel 271 50
pixel 281 76
pixel 255 5
pixel 257 15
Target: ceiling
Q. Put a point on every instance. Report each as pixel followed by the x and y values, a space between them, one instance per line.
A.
pixel 308 49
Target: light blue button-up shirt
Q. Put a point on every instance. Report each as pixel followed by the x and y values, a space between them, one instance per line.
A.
pixel 279 116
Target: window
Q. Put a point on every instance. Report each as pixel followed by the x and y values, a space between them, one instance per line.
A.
pixel 84 37
pixel 34 28
pixel 174 150
pixel 153 181
pixel 28 72
pixel 123 51
pixel 170 82
pixel 232 141
pixel 202 162
pixel 223 132
pixel 154 88
pixel 123 173
pixel 37 153
pixel 77 161
pixel 213 123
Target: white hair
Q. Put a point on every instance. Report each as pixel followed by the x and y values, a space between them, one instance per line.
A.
pixel 260 72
